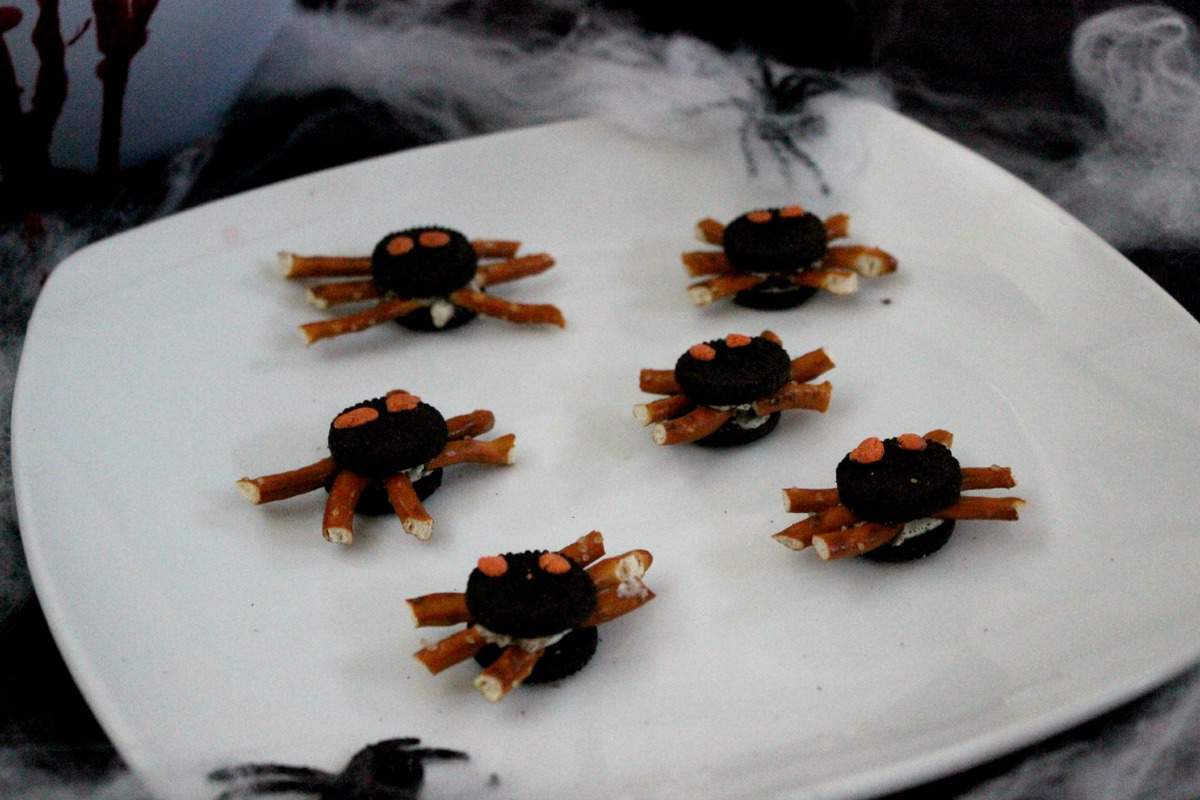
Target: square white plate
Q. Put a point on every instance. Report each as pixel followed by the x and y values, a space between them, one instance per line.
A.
pixel 161 365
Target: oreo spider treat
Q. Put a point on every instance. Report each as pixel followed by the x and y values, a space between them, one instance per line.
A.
pixel 531 617
pixel 777 258
pixel 731 391
pixel 896 500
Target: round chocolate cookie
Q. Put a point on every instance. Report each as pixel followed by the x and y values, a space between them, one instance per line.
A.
pixel 774 294
pixel 783 242
pixel 731 434
pixel 916 547
pixel 423 262
pixel 734 375
pixel 903 485
pixel 565 657
pixel 390 442
pixel 527 601
pixel 374 500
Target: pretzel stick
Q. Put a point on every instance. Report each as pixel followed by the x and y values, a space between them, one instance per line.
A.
pixel 772 336
pixel 696 424
pixel 506 672
pixel 440 608
pixel 473 451
pixel 413 516
pixel 870 262
pixel 452 650
pixel 472 424
pixel 992 477
pixel 503 271
pixel 495 248
pixel 706 262
pixel 338 524
pixel 942 437
pixel 810 396
pixel 837 226
pixel 799 535
pixel 705 292
pixel 325 295
pixel 283 485
pixel 811 365
pixel 585 549
pixel 615 570
pixel 613 602
pixel 658 381
pixel 711 231
pixel 297 266
pixel 666 408
pixel 982 508
pixel 796 499
pixel 834 281
pixel 854 541
pixel 386 310
pixel 524 313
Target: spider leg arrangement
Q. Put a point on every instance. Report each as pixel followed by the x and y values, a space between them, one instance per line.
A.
pixel 427 279
pixel 386 455
pixel 779 257
pixel 531 617
pixel 731 391
pixel 896 500
pixel 389 770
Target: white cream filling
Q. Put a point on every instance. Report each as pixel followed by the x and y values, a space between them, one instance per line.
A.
pixel 744 416
pixel 416 473
pixel 917 527
pixel 441 311
pixel 528 645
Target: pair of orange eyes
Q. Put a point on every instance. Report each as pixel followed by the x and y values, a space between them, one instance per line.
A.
pixel 870 450
pixel 495 566
pixel 704 352
pixel 395 402
pixel 766 216
pixel 402 244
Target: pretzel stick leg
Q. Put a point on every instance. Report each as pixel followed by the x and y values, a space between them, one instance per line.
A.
pixel 283 485
pixel 452 650
pixel 473 424
pixel 585 549
pixel 711 231
pixel 506 672
pixel 385 311
pixel 613 602
pixel 870 262
pixel 813 397
pixel 992 477
pixel 796 499
pixel 854 541
pixel 811 365
pixel 696 424
pixel 942 437
pixel 799 535
pixel 837 226
pixel 338 524
pixel 325 295
pixel 659 410
pixel 982 508
pixel 713 289
pixel 495 248
pixel 297 266
pixel 524 313
pixel 615 570
pixel 772 336
pixel 504 271
pixel 706 262
pixel 441 608
pixel 404 500
pixel 834 281
pixel 658 381
pixel 461 451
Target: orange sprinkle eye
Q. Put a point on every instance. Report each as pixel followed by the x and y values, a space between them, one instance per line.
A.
pixel 702 352
pixel 910 441
pixel 737 340
pixel 434 239
pixel 759 216
pixel 492 566
pixel 868 451
pixel 401 400
pixel 791 211
pixel 355 417
pixel 554 563
pixel 399 245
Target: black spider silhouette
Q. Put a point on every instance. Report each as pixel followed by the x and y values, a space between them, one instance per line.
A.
pixel 389 770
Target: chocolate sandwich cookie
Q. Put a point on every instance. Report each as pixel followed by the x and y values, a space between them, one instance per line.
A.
pixel 904 484
pixel 775 240
pixel 530 594
pixel 733 370
pixel 423 262
pixel 380 437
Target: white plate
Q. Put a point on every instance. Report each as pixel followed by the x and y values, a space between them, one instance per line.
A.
pixel 162 364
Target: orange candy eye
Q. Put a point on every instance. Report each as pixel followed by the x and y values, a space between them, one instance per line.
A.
pixel 434 239
pixel 910 441
pixel 868 451
pixel 355 417
pixel 401 400
pixel 492 566
pixel 791 211
pixel 554 563
pixel 759 216
pixel 702 352
pixel 737 340
pixel 400 245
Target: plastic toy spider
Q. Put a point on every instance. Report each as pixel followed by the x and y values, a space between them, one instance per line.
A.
pixel 532 616
pixel 777 258
pixel 389 770
pixel 896 500
pixel 731 391
pixel 427 279
pixel 386 454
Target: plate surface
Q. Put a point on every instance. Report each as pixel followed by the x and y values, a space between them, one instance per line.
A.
pixel 161 365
